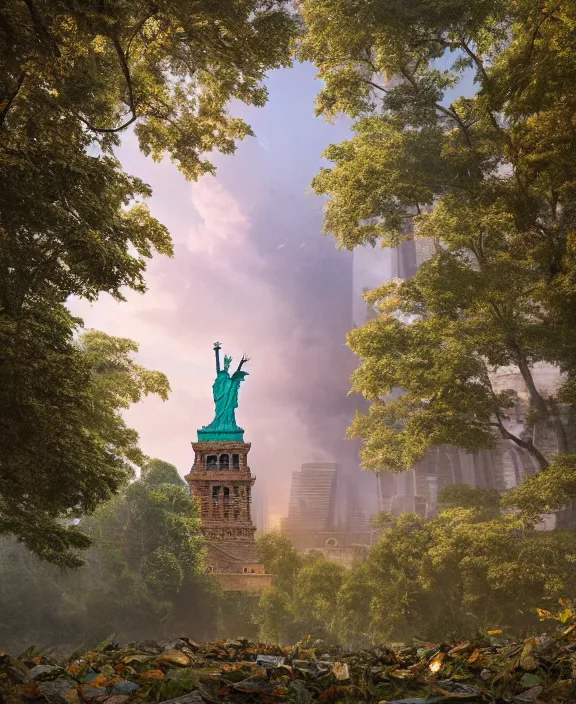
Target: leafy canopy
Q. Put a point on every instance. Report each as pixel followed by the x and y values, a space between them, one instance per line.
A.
pixel 64 445
pixel 488 179
pixel 74 76
pixel 142 577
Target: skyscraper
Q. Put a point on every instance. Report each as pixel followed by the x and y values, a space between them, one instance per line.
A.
pixel 311 505
pixel 260 507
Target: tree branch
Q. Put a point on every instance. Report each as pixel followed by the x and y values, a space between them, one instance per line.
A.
pixel 7 102
pixel 540 403
pixel 547 15
pixel 41 28
pixel 476 59
pixel 131 101
pixel 537 401
pixel 451 114
pixel 374 85
pixel 527 445
pixel 139 25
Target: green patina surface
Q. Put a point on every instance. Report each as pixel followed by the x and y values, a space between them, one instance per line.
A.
pixel 225 391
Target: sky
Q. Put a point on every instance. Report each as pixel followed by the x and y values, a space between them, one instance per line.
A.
pixel 252 270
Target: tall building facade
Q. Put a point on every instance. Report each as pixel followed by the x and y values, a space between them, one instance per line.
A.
pixel 260 508
pixel 312 502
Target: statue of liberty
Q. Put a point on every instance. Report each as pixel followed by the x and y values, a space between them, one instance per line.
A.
pixel 225 392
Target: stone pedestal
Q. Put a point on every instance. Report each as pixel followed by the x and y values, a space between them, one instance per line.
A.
pixel 221 481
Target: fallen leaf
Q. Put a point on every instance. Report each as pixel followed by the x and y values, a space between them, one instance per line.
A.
pixel 341 671
pixel 435 663
pixel 475 655
pixel 173 657
pixel 153 675
pixel 30 691
pixel 460 649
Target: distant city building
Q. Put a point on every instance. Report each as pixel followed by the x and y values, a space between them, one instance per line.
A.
pixel 312 502
pixel 260 508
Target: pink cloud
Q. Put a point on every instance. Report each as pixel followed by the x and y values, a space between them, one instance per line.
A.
pixel 213 289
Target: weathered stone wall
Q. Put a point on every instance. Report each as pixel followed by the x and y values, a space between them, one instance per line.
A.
pixel 220 481
pixel 244 582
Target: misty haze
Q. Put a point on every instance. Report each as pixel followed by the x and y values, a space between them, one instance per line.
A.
pixel 287 352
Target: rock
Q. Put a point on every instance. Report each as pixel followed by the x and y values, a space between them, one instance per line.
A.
pixel 91 693
pixel 192 698
pixel 124 687
pixel 270 661
pixel 107 671
pixel 173 657
pixel 529 695
pixel 314 668
pixel 18 673
pixel 174 644
pixel 145 646
pixel 43 672
pixel 59 691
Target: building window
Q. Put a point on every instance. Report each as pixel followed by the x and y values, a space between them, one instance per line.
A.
pixel 236 491
pixel 249 494
pixel 215 493
pixel 225 462
pixel 226 493
pixel 236 462
pixel 211 463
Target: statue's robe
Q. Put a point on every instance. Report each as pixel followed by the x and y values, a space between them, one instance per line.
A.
pixel 225 392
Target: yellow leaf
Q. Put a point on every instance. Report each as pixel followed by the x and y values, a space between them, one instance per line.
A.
pixel 527 660
pixel 435 664
pixel 475 655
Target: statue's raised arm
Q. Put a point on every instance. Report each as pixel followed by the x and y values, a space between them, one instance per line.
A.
pixel 244 359
pixel 217 348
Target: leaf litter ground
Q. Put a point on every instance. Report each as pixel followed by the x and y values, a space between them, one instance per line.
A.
pixel 537 669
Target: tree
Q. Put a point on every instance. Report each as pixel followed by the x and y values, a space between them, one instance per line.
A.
pixel 301 601
pixel 74 76
pixel 280 558
pixel 64 446
pixel 154 530
pixel 143 574
pixel 489 179
pixel 315 593
pixel 454 576
pixel 487 501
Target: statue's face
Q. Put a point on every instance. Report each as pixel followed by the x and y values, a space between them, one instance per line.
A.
pixel 227 361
